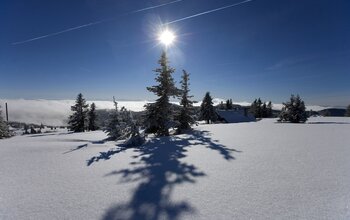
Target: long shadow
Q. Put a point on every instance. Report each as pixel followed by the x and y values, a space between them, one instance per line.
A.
pixel 43 134
pixel 74 149
pixel 329 123
pixel 159 170
pixel 84 145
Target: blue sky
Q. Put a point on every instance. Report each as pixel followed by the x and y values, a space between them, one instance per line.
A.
pixel 262 48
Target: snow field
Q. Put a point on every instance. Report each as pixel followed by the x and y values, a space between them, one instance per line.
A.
pixel 256 170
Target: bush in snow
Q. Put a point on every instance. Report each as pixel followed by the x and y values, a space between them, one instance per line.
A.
pixel 78 120
pixel 159 115
pixel 4 129
pixel 293 111
pixel 207 111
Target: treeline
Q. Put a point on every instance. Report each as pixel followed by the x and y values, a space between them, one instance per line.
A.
pixel 84 117
pixel 260 109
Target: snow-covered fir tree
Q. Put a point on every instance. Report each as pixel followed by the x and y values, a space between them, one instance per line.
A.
pixel 113 129
pixel 92 116
pixel 78 120
pixel 185 118
pixel 130 130
pixel 159 116
pixel 348 111
pixel 122 126
pixel 207 111
pixel 293 111
pixel 4 129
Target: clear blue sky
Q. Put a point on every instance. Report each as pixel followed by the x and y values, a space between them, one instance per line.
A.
pixel 262 48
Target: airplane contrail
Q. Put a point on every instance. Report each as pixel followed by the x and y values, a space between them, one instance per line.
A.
pixel 156 6
pixel 207 12
pixel 93 23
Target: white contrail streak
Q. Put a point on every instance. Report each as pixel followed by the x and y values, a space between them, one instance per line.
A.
pixel 93 23
pixel 60 32
pixel 207 12
pixel 156 6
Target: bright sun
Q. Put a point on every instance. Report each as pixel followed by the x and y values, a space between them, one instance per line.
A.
pixel 166 37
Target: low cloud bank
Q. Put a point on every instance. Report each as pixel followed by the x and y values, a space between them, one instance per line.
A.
pixel 56 112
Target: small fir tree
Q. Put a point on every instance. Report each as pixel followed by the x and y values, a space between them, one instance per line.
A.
pixel 269 109
pixel 92 118
pixel 229 104
pixel 348 111
pixel 253 107
pixel 25 128
pixel 185 117
pixel 264 110
pixel 207 111
pixel 259 109
pixel 130 130
pixel 113 129
pixel 122 126
pixel 78 120
pixel 293 111
pixel 222 106
pixel 4 129
pixel 160 115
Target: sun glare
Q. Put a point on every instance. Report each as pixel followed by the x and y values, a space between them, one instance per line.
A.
pixel 166 37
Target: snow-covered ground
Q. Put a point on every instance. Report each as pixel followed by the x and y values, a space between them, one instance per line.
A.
pixel 256 170
pixel 56 112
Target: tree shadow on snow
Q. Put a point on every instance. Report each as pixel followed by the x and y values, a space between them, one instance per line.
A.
pixel 77 148
pixel 83 145
pixel 159 170
pixel 329 123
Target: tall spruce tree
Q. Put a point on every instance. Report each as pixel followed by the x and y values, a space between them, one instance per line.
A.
pixel 185 117
pixel 4 129
pixel 348 111
pixel 78 120
pixel 92 118
pixel 207 111
pixel 160 115
pixel 294 111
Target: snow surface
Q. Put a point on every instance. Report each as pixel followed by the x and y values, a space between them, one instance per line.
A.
pixel 256 170
pixel 56 112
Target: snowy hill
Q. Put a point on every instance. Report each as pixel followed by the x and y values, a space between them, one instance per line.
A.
pixel 56 112
pixel 257 170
